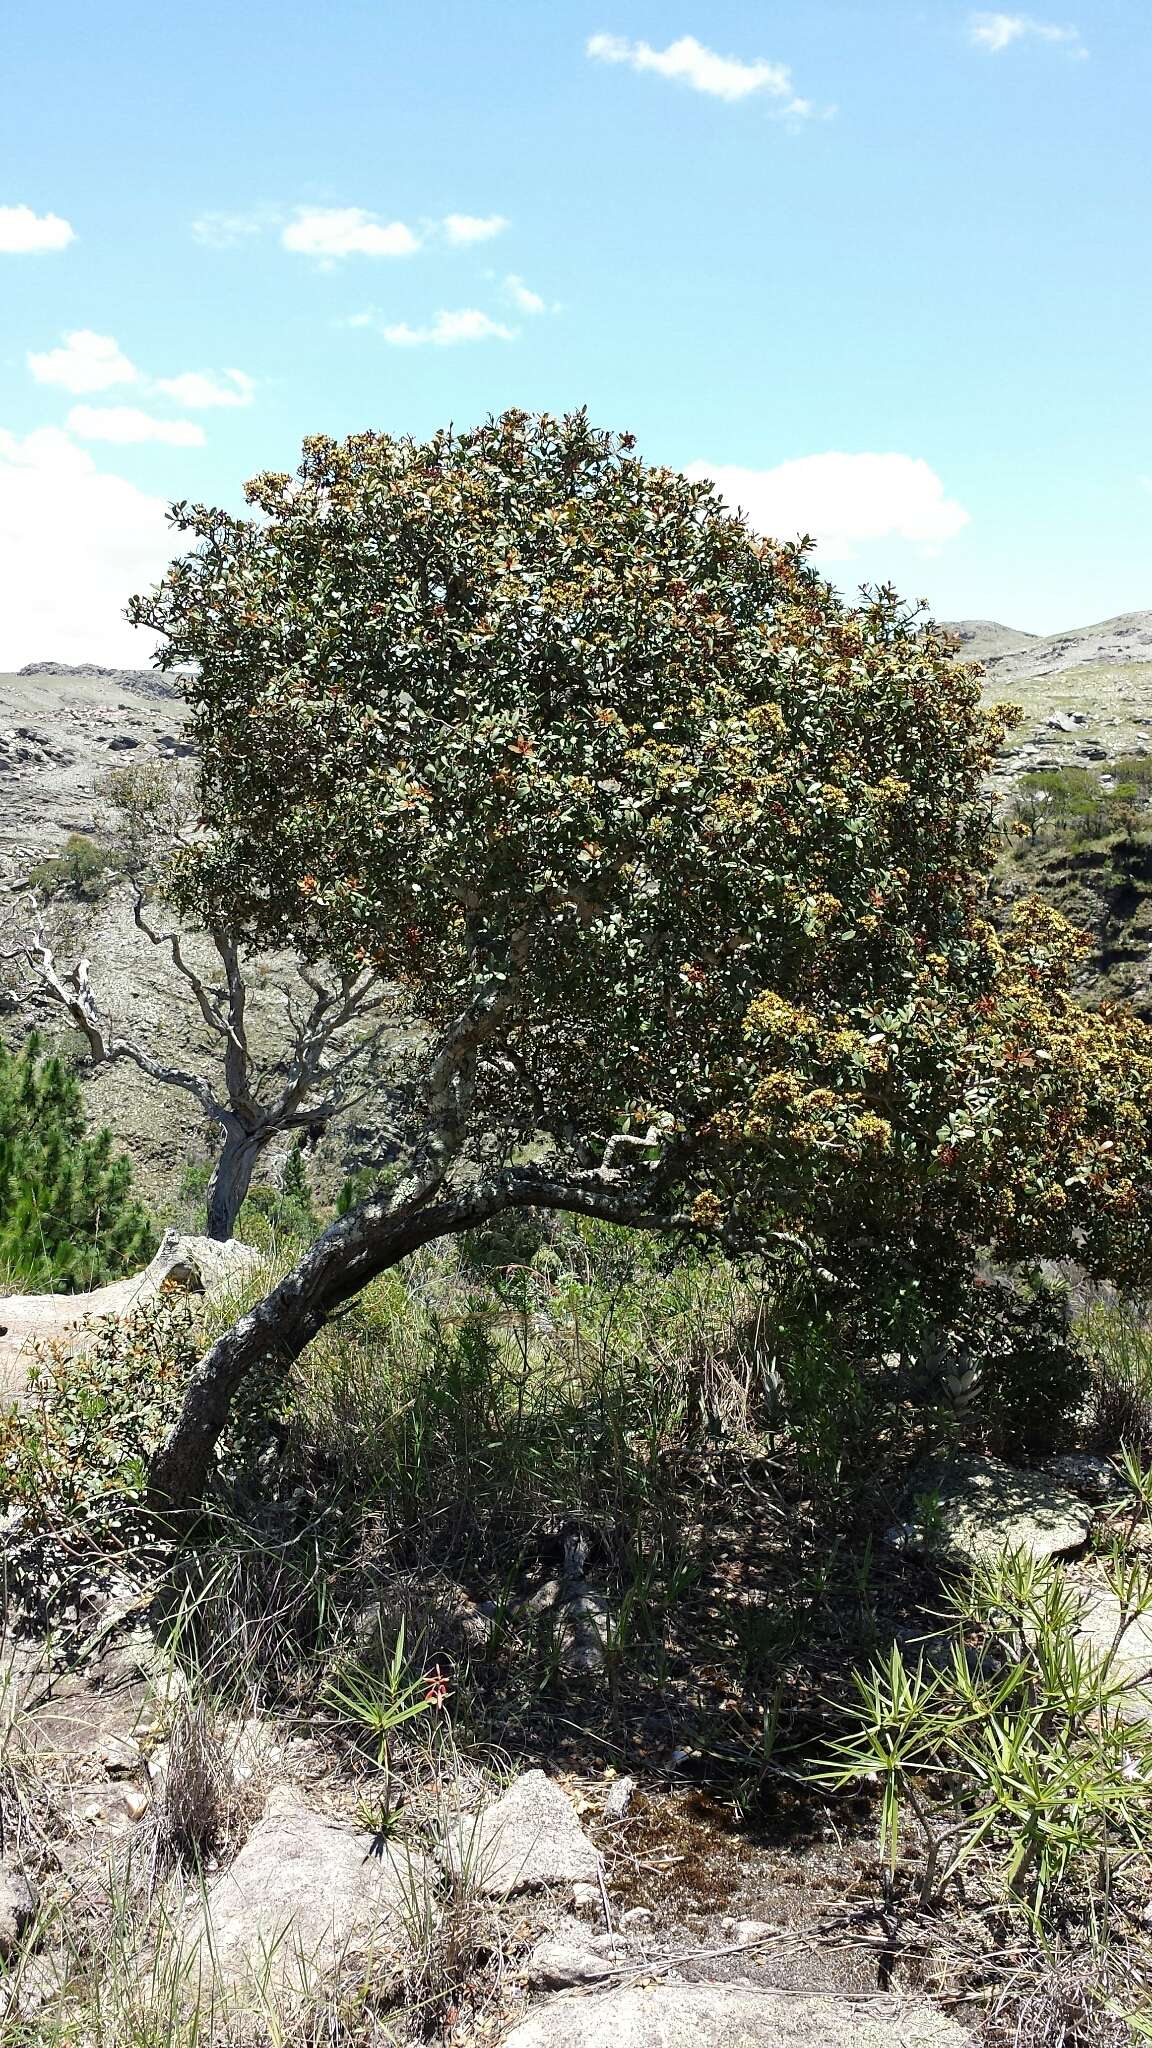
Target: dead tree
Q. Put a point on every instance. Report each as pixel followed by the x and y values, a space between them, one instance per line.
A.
pixel 316 1072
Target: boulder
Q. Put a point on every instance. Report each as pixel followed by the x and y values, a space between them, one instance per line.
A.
pixel 1094 1478
pixel 528 1838
pixel 302 1892
pixel 1100 1617
pixel 974 1508
pixel 733 2016
pixel 197 1264
pixel 202 1265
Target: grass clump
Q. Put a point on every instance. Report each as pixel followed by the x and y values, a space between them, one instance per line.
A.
pixel 1119 1341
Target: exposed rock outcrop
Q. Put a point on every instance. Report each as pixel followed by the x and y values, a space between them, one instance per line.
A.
pixel 197 1264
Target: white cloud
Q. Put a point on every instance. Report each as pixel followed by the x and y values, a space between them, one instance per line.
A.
pixel 996 32
pixel 227 230
pixel 520 295
pixel 76 544
pixel 842 500
pixel 87 362
pixel 447 330
pixel 726 78
pixel 128 426
pixel 200 389
pixel 24 233
pixel 473 227
pixel 330 232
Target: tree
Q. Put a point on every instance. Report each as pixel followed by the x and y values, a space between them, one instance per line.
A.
pixel 678 860
pixel 293 1075
pixel 68 1218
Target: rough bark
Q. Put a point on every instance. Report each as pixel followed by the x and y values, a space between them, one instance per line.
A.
pixel 232 1178
pixel 350 1253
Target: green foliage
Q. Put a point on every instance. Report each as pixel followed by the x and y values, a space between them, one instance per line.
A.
pixel 1085 803
pixel 74 1453
pixel 296 1205
pixel 68 1218
pixel 555 743
pixel 1031 1373
pixel 356 1187
pixel 84 869
pixel 1014 1755
pixel 1118 1340
pixel 380 1697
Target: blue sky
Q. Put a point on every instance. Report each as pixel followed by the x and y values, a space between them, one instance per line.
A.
pixel 881 268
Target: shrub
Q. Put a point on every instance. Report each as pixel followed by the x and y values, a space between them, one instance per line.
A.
pixel 68 1218
pixel 1030 1376
pixel 84 869
pixel 1015 1757
pixel 74 1453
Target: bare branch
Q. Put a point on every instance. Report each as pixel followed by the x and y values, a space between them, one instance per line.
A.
pixel 72 991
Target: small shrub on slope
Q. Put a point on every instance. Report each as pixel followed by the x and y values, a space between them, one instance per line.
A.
pixel 73 1455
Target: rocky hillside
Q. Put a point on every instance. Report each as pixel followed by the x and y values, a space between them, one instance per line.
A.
pixel 60 730
pixel 1086 697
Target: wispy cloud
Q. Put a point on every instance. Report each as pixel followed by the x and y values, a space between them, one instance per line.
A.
pixel 693 64
pixel 228 230
pixel 330 233
pixel 473 227
pixel 24 233
pixel 522 297
pixel 996 32
pixel 448 330
pixel 86 362
pixel 842 500
pixel 128 426
pixel 201 389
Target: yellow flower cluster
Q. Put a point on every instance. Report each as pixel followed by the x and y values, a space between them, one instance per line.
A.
pixel 768 718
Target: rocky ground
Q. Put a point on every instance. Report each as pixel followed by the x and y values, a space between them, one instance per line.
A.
pixel 260 1865
pixel 58 733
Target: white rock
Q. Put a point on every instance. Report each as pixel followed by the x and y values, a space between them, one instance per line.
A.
pixel 554 1964
pixel 530 1837
pixel 618 1798
pixel 733 2016
pixel 1131 1661
pixel 300 1894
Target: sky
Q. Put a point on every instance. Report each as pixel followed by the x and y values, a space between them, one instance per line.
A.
pixel 879 269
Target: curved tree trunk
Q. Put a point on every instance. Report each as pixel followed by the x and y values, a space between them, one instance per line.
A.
pixel 232 1178
pixel 350 1253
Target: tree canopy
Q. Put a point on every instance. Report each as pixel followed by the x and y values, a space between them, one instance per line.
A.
pixel 676 860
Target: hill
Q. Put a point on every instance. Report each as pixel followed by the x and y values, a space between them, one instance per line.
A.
pixel 1086 696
